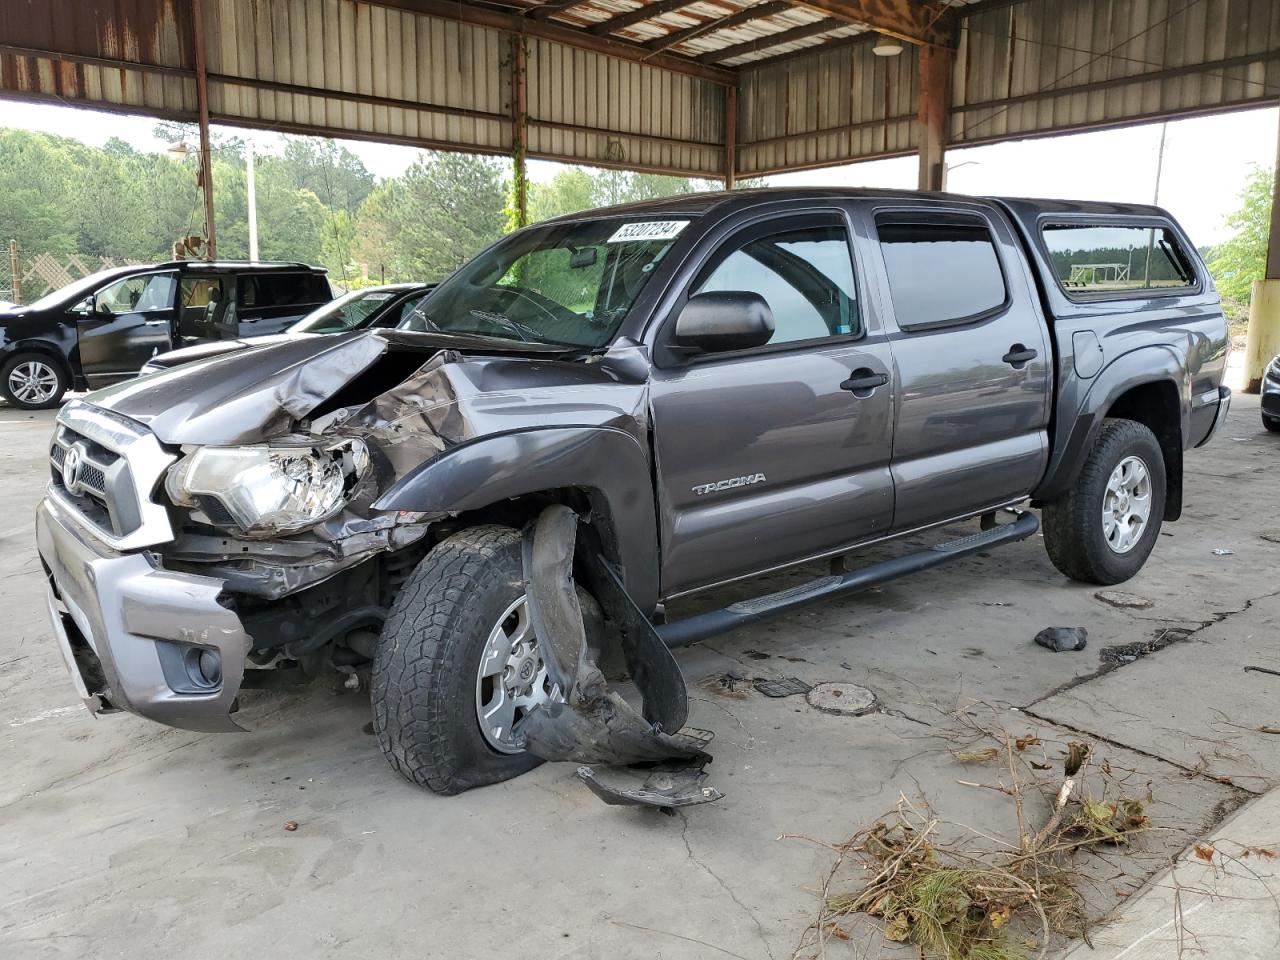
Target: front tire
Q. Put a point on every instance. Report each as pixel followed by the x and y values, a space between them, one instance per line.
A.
pixel 1271 423
pixel 438 672
pixel 33 381
pixel 1104 529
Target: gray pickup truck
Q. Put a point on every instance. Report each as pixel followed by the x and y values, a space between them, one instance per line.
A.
pixel 487 509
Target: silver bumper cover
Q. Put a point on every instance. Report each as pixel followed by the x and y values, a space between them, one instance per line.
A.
pixel 132 634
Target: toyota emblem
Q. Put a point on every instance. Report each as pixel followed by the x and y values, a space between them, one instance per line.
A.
pixel 71 465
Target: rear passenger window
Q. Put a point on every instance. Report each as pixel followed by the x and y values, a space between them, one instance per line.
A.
pixel 283 290
pixel 941 271
pixel 1091 258
pixel 804 274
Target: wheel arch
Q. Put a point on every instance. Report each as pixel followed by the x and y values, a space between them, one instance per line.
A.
pixel 601 471
pixel 43 347
pixel 1148 385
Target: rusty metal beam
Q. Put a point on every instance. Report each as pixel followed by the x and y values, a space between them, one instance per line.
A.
pixel 519 131
pixel 745 15
pixel 932 105
pixel 494 19
pixel 640 15
pixel 804 32
pixel 731 138
pixel 552 7
pixel 910 20
pixel 202 107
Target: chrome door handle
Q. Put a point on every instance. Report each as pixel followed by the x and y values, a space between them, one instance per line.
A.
pixel 157 323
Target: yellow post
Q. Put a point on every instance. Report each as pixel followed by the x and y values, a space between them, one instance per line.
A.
pixel 1263 340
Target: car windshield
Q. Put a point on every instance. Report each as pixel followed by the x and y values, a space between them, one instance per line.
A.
pixel 567 283
pixel 348 312
pixel 76 290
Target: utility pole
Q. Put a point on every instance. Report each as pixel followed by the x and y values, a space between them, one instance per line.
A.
pixel 202 100
pixel 253 200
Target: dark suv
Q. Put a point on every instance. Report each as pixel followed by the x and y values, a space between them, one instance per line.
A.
pixel 99 330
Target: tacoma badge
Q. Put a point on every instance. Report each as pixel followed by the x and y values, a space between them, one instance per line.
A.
pixel 703 488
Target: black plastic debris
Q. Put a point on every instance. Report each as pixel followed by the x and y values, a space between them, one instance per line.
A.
pixel 1063 639
pixel 781 687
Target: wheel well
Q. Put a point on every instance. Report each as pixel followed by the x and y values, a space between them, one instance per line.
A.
pixel 43 350
pixel 1155 406
pixel 598 532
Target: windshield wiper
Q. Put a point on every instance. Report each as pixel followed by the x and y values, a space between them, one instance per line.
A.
pixel 525 333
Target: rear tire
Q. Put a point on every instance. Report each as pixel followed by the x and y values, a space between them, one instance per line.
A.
pixel 33 381
pixel 1271 424
pixel 1093 533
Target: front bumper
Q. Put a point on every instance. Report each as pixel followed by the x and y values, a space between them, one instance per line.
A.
pixel 132 634
pixel 1271 398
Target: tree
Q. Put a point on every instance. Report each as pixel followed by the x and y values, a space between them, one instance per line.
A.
pixel 567 192
pixel 428 222
pixel 1236 263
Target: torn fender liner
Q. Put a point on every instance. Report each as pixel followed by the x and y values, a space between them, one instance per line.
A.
pixel 641 762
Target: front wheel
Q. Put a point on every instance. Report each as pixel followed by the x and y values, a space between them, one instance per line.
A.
pixel 1271 423
pixel 458 666
pixel 1105 528
pixel 32 381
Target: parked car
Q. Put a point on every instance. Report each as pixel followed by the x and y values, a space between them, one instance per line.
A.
pixel 1271 396
pixel 383 306
pixel 101 329
pixel 608 411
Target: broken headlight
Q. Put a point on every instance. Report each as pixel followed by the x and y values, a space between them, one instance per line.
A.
pixel 270 489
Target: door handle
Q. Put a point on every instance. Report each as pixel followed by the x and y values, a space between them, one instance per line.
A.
pixel 1019 356
pixel 864 378
pixel 157 323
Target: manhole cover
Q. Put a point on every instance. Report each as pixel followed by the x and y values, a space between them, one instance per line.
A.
pixel 844 699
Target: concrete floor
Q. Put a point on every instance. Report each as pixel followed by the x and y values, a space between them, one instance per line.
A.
pixel 119 838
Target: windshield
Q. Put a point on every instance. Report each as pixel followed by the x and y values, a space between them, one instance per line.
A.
pixel 568 283
pixel 77 289
pixel 346 313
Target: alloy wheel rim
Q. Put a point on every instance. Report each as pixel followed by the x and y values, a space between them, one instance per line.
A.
pixel 512 679
pixel 33 382
pixel 1126 505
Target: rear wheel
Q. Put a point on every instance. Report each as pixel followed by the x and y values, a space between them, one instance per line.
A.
pixel 1103 530
pixel 33 381
pixel 1271 423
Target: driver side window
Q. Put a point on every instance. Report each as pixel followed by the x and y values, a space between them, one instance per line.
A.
pixel 153 291
pixel 805 274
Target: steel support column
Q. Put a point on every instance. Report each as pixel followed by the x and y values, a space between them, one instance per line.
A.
pixel 730 137
pixel 206 154
pixel 519 131
pixel 932 114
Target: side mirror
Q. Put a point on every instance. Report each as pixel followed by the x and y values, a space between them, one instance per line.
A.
pixel 722 320
pixel 85 306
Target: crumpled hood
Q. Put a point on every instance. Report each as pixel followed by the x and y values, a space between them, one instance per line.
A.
pixel 216 348
pixel 256 394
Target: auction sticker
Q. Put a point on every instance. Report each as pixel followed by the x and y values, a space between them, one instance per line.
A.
pixel 648 230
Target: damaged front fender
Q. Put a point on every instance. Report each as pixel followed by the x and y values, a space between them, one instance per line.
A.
pixel 643 763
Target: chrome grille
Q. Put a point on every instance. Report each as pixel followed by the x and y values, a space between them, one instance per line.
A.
pixel 107 468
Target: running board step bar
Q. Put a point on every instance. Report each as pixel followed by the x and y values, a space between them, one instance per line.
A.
pixel 681 633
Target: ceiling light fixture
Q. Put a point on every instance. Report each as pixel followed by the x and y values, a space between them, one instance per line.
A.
pixel 887 46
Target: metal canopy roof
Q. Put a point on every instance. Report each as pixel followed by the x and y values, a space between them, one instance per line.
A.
pixel 711 88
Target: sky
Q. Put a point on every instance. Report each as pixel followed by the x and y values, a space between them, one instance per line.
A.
pixel 1206 161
